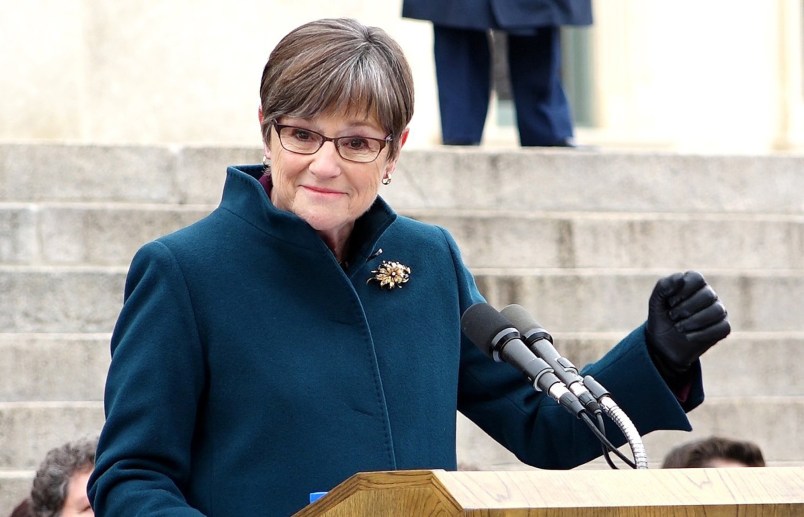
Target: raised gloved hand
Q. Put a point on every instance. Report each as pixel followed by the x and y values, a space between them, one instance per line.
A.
pixel 685 318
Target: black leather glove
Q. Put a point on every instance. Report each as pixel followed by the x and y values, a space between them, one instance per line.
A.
pixel 685 318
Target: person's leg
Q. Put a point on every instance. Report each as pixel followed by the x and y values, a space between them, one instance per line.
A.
pixel 462 60
pixel 542 110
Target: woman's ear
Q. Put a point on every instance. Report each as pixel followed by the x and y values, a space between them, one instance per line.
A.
pixel 390 167
pixel 402 139
pixel 266 150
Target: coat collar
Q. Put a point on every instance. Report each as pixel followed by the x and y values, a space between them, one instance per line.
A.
pixel 245 196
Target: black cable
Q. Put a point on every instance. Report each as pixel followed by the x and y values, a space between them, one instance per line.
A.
pixel 605 441
pixel 602 426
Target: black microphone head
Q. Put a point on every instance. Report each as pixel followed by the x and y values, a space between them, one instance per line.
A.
pixel 483 325
pixel 525 323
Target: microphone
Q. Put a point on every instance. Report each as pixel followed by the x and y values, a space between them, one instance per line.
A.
pixel 541 343
pixel 592 394
pixel 496 337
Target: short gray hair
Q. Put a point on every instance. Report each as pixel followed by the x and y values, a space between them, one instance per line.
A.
pixel 52 480
pixel 338 66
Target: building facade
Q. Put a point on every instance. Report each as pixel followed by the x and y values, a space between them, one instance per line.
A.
pixel 711 77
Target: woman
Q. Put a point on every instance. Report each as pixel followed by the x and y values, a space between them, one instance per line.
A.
pixel 303 331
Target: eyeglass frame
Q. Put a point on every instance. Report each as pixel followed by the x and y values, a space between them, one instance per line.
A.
pixel 324 139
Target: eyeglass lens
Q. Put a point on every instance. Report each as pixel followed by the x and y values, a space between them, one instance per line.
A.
pixel 353 148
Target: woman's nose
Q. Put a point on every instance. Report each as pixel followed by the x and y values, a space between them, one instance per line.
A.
pixel 326 161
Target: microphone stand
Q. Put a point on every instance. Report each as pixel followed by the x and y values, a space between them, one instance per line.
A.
pixel 618 416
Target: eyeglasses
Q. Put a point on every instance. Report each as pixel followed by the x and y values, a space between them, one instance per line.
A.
pixel 360 149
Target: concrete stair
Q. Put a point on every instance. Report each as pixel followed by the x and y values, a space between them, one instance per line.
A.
pixel 577 237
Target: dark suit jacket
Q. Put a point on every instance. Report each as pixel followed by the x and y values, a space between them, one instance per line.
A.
pixel 500 14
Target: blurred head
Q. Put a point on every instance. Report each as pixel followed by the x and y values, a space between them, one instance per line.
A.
pixel 714 452
pixel 60 485
pixel 338 66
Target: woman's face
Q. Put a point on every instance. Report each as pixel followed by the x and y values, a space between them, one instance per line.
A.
pixel 324 189
pixel 76 503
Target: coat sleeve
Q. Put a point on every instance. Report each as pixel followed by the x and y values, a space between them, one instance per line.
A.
pixel 497 398
pixel 155 381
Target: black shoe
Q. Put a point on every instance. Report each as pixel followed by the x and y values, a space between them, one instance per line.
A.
pixel 459 142
pixel 566 142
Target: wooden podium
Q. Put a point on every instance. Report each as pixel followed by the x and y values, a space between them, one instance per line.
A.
pixel 744 492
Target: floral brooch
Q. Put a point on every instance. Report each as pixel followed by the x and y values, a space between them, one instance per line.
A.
pixel 390 274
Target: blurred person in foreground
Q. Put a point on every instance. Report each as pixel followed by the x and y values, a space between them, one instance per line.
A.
pixel 304 332
pixel 714 451
pixel 60 485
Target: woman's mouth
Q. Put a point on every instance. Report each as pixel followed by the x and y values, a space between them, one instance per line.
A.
pixel 321 190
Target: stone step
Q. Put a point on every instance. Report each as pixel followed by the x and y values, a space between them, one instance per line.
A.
pixel 138 174
pixel 30 429
pixel 745 364
pixel 555 180
pixel 624 239
pixel 73 367
pixel 60 299
pixel 15 485
pixel 109 234
pixel 594 300
pixel 53 367
pixel 520 179
pixel 71 299
pixel 87 234
pixel 773 423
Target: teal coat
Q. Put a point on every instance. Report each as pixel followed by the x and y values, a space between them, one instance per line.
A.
pixel 250 369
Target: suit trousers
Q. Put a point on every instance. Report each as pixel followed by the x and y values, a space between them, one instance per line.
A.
pixel 463 72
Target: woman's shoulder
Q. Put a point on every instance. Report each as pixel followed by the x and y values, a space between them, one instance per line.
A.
pixel 197 239
pixel 413 226
pixel 422 234
pixel 193 234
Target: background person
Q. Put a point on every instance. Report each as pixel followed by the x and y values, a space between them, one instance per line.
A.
pixel 714 451
pixel 463 57
pixel 60 485
pixel 304 332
